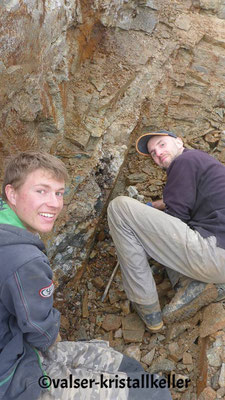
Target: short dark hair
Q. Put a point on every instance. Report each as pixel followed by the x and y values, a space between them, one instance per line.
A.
pixel 24 163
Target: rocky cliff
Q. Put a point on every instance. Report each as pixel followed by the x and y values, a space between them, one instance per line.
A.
pixel 80 79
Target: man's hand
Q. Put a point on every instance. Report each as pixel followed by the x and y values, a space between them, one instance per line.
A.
pixel 159 204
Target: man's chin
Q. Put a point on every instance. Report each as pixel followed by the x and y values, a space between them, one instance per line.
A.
pixel 39 229
pixel 46 229
pixel 167 163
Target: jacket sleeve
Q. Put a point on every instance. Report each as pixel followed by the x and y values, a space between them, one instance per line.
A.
pixel 181 188
pixel 28 295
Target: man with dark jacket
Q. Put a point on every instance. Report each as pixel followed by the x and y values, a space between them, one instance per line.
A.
pixel 32 192
pixel 188 237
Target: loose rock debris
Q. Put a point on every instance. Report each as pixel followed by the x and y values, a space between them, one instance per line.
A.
pixel 192 351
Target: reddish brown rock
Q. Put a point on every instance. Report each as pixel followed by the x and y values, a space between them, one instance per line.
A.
pixel 133 328
pixel 133 336
pixel 207 394
pixel 176 329
pixel 220 393
pixel 111 322
pixel 175 353
pixel 85 312
pixel 164 287
pixel 113 296
pixel 213 319
pixel 132 322
pixel 187 358
pixel 147 359
pixel 64 323
pixel 133 351
pixel 125 307
pixel 118 334
pixel 98 282
pixel 101 236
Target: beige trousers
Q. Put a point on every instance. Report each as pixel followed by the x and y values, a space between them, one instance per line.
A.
pixel 140 231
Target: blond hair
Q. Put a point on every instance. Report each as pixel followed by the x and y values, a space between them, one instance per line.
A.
pixel 24 163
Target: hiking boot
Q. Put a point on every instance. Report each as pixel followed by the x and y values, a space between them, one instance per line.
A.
pixel 150 315
pixel 220 291
pixel 188 300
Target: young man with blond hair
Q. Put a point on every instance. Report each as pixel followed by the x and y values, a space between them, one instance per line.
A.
pixel 34 364
pixel 32 198
pixel 185 232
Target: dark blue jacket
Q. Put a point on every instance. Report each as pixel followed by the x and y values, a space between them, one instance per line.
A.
pixel 195 193
pixel 28 320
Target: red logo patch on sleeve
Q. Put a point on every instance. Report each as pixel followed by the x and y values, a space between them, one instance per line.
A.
pixel 47 291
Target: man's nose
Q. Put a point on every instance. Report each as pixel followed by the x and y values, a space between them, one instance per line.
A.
pixel 53 200
pixel 158 151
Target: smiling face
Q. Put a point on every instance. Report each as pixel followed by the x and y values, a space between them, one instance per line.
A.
pixel 38 201
pixel 164 149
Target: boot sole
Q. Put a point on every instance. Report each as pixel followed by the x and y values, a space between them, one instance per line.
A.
pixel 188 310
pixel 154 329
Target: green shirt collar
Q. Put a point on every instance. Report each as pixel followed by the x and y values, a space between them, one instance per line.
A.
pixel 8 216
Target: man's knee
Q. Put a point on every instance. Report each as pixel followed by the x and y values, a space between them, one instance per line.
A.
pixel 119 205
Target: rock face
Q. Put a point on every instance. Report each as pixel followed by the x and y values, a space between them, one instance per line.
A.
pixel 79 77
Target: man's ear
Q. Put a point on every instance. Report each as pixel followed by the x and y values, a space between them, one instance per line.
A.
pixel 10 194
pixel 180 143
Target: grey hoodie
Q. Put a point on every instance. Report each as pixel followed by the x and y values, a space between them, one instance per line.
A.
pixel 28 321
